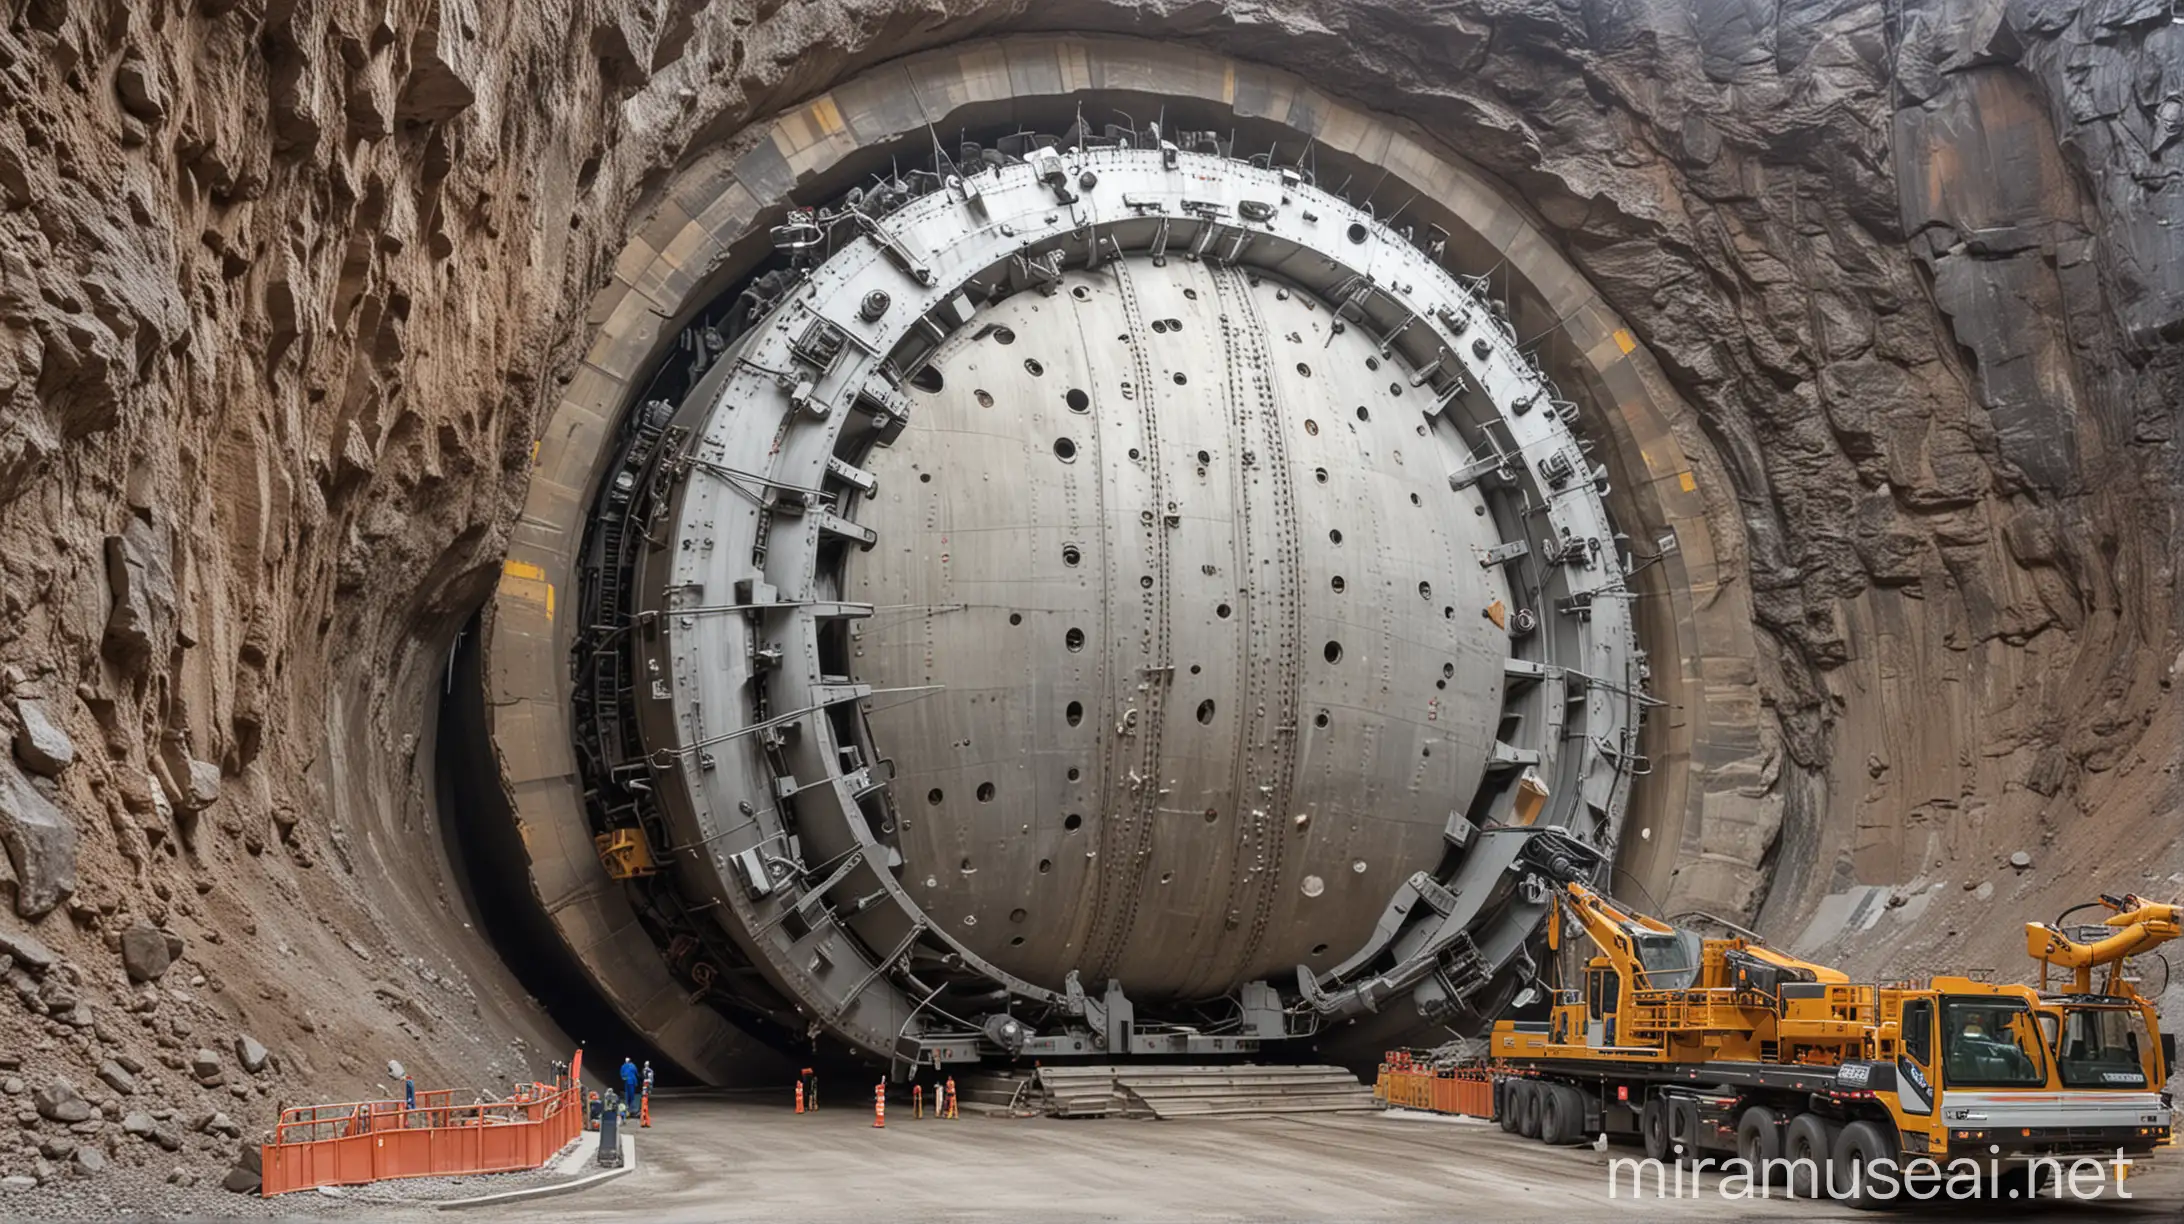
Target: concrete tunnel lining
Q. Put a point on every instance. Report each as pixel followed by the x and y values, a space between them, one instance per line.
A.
pixel 698 240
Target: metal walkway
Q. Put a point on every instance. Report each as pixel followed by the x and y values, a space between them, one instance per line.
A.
pixel 1169 1092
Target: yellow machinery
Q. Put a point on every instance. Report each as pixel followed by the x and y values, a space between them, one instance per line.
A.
pixel 624 853
pixel 1723 1047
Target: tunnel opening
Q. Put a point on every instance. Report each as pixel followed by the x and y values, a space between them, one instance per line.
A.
pixel 785 892
pixel 484 845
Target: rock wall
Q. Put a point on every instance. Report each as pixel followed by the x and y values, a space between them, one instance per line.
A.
pixel 285 286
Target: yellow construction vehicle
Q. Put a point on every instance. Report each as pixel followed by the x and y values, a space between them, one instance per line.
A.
pixel 1713 1050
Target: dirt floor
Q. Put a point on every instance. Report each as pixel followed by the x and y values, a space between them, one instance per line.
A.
pixel 715 1159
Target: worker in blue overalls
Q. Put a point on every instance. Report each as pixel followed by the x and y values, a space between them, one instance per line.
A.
pixel 629 1083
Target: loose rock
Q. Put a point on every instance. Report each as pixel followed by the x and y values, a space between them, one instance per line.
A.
pixel 40 744
pixel 117 1077
pixel 144 952
pixel 250 1053
pixel 2021 860
pixel 41 844
pixel 59 1101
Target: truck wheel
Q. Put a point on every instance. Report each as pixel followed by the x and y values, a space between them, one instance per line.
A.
pixel 1759 1143
pixel 1505 1104
pixel 1653 1128
pixel 1562 1120
pixel 1528 1104
pixel 1859 1147
pixel 1809 1145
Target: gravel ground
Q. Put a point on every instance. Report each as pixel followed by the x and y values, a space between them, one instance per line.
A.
pixel 124 1193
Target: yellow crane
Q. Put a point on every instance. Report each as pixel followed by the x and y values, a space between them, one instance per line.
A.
pixel 1722 1045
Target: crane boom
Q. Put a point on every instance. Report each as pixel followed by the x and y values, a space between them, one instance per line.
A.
pixel 2139 926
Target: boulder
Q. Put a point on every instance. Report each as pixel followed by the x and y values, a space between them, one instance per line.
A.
pixel 144 951
pixel 41 844
pixel 139 1123
pixel 205 1065
pixel 90 1160
pixel 40 744
pixel 59 1101
pixel 250 1053
pixel 248 1172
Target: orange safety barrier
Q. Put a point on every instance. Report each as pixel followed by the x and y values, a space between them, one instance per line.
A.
pixel 1461 1090
pixel 365 1141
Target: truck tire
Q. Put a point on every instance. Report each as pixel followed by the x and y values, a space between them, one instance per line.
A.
pixel 1562 1116
pixel 1528 1103
pixel 1857 1148
pixel 1809 1146
pixel 1505 1104
pixel 1653 1128
pixel 1759 1143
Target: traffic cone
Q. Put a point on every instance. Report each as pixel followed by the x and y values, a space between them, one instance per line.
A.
pixel 917 1100
pixel 799 1096
pixel 879 1105
pixel 644 1111
pixel 951 1097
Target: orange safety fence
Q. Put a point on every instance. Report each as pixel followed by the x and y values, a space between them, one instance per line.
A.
pixel 1459 1090
pixel 355 1142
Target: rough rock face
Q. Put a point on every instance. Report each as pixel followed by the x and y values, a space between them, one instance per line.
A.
pixel 285 287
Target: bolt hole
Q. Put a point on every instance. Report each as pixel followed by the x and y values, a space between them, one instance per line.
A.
pixel 1074 712
pixel 1146 581
pixel 1205 712
pixel 1222 611
pixel 1071 554
pixel 933 796
pixel 1074 639
pixel 1448 671
pixel 1357 231
pixel 1016 941
pixel 1002 335
pixel 1212 815
pixel 1335 536
pixel 967 868
pixel 1395 388
pixel 925 478
pixel 1320 474
pixel 1016 618
pixel 1311 427
pixel 1321 719
pixel 1304 369
pixel 1425 590
pixel 1448 612
pixel 1195 669
pixel 1364 413
pixel 985 792
pixel 1192 294
pixel 1205 457
pixel 1338 583
pixel 984 397
pixel 1045 865
pixel 1176 325
pixel 1333 652
pixel 1160 326
pixel 1081 293
pixel 1065 449
pixel 1072 822
pixel 1032 364
pixel 1181 378
pixel 1166 876
pixel 1134 454
pixel 1078 401
pixel 927 379
pixel 1372 363
pixel 1319 949
pixel 1414 500
pixel 1075 773
pixel 1016 915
